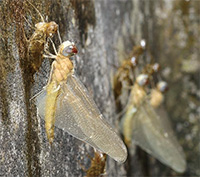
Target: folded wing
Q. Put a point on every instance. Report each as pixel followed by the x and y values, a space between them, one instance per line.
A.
pixel 151 134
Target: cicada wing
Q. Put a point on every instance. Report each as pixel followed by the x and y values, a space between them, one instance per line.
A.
pixel 41 102
pixel 150 134
pixel 78 115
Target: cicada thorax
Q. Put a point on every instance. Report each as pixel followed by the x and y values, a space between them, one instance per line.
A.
pixel 97 166
pixel 137 95
pixel 62 67
pixel 157 94
pixel 156 98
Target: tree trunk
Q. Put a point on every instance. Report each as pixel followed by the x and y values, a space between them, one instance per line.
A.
pixel 105 32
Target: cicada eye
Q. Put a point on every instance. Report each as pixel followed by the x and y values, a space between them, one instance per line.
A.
pixel 142 79
pixel 69 51
pixel 162 86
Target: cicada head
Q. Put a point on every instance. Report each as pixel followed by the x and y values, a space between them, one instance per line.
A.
pixel 67 49
pixel 142 79
pixel 162 86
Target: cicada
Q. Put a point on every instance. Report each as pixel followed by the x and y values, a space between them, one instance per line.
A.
pixel 97 166
pixel 66 102
pixel 124 76
pixel 136 98
pixel 145 128
pixel 38 42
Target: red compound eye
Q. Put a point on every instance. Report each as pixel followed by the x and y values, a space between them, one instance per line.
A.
pixel 74 50
pixel 70 50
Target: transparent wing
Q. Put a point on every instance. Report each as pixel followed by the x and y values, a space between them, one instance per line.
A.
pixel 151 134
pixel 78 115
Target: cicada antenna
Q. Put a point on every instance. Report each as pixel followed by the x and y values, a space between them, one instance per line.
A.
pixel 42 18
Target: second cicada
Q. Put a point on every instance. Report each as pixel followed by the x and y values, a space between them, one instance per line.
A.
pixel 145 128
pixel 66 102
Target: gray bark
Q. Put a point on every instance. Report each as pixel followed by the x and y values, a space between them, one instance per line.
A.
pixel 104 32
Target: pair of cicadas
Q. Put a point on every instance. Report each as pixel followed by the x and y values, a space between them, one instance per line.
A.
pixel 140 123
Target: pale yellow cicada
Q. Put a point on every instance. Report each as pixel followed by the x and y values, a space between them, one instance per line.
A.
pixel 136 97
pixel 66 102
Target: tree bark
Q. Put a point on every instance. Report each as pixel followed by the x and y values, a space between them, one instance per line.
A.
pixel 104 32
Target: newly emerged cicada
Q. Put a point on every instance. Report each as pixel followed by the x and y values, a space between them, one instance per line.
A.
pixel 136 98
pixel 66 102
pixel 145 128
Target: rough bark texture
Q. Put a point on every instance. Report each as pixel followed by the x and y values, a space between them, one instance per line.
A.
pixel 104 31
